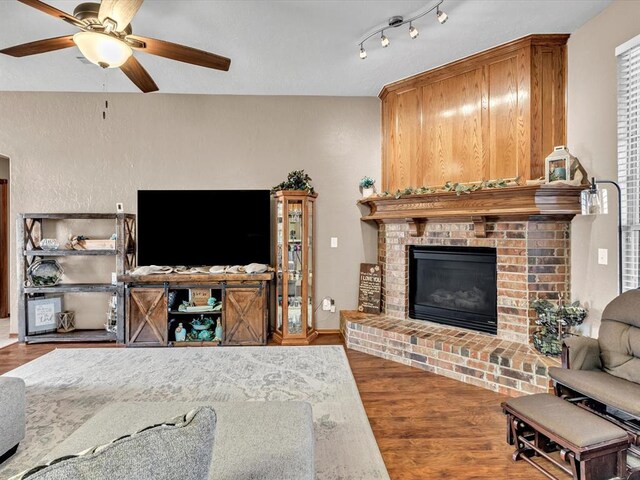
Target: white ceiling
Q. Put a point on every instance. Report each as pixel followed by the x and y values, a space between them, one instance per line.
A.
pixel 284 47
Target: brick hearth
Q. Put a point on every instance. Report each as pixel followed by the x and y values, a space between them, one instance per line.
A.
pixel 532 262
pixel 510 368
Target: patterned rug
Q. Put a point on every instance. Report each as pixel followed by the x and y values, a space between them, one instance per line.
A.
pixel 68 386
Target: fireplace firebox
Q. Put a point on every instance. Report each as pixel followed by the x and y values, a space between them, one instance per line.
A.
pixel 454 286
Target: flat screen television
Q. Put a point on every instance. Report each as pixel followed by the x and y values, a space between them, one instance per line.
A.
pixel 204 227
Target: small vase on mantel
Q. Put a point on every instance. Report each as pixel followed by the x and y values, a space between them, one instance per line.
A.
pixel 367 192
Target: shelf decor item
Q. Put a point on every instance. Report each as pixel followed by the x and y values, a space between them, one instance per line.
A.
pixel 554 323
pixel 560 165
pixel 367 186
pixel 295 322
pixel 44 273
pixel 66 321
pixel 181 333
pixel 296 180
pixel 49 244
pixel 218 331
pixel 42 314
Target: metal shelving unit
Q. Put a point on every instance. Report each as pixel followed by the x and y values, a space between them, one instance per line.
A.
pixel 29 233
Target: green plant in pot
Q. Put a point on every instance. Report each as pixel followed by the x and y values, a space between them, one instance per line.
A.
pixel 554 322
pixel 367 186
pixel 296 180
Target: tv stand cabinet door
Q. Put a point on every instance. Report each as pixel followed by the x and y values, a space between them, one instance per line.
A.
pixel 245 315
pixel 147 317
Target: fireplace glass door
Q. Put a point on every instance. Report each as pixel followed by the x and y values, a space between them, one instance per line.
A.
pixel 454 286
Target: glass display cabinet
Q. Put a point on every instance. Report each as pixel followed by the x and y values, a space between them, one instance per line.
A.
pixel 295 227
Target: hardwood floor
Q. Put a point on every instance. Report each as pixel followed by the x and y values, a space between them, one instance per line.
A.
pixel 427 426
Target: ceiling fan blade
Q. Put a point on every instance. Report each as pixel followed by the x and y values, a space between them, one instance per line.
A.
pixel 138 75
pixel 53 11
pixel 120 11
pixel 40 46
pixel 181 53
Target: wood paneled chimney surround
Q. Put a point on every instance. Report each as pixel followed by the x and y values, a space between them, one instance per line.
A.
pixel 496 114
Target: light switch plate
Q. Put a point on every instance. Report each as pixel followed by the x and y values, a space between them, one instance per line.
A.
pixel 334 242
pixel 603 256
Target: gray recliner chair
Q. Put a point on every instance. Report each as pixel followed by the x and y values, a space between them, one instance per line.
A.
pixel 604 373
pixel 12 415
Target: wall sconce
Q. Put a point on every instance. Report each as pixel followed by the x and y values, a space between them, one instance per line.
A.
pixel 593 201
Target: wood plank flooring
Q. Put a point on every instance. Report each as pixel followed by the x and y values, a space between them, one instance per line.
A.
pixel 427 426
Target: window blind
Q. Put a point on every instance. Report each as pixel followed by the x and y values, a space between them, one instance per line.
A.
pixel 628 58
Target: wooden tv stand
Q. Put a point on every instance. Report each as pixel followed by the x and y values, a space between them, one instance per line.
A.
pixel 150 321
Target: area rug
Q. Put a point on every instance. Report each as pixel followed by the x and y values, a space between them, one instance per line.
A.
pixel 68 386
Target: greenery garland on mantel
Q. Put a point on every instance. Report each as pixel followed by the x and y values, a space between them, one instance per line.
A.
pixel 458 188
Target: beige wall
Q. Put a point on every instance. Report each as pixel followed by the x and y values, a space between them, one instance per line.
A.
pixel 65 157
pixel 592 138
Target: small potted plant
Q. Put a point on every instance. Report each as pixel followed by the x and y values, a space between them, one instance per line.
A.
pixel 366 186
pixel 554 322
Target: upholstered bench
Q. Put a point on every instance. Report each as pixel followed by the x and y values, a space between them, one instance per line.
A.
pixel 540 424
pixel 12 415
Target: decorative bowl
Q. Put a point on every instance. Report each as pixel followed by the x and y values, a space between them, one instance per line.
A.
pixel 201 327
pixel 49 244
pixel 45 273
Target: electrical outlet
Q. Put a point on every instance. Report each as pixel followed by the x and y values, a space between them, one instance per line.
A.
pixel 333 306
pixel 603 256
pixel 334 242
pixel 326 304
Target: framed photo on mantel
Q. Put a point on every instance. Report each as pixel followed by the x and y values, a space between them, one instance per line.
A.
pixel 369 292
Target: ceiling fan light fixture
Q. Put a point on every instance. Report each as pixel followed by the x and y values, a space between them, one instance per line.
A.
pixel 103 50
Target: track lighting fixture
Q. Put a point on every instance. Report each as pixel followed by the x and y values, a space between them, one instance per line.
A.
pixel 397 21
pixel 384 41
pixel 413 31
pixel 442 17
pixel 363 52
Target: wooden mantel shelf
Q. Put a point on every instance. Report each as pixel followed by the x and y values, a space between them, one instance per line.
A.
pixel 537 202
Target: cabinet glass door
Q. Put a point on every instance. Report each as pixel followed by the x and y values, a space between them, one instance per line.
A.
pixel 294 266
pixel 280 266
pixel 310 265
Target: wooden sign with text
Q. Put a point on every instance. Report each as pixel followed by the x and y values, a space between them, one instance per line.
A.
pixel 369 293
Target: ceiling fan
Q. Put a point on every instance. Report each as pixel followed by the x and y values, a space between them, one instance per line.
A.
pixel 106 40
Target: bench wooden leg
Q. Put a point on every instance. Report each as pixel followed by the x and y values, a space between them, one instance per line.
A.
pixel 604 467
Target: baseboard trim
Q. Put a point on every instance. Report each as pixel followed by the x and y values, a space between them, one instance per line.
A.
pixel 328 331
pixel 13 335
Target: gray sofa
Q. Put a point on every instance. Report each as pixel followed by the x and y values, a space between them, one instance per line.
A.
pixel 12 415
pixel 265 440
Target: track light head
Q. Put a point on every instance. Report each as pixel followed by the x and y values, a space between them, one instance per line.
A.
pixel 363 52
pixel 384 41
pixel 442 17
pixel 413 31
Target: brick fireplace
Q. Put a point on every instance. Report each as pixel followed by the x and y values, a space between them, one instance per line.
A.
pixel 532 262
pixel 529 230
